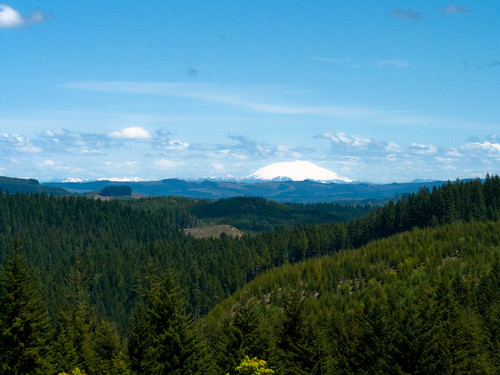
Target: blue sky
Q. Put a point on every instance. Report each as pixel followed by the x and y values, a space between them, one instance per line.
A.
pixel 377 91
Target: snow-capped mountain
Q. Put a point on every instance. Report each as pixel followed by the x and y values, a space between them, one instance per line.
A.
pixel 227 177
pixel 122 179
pixel 113 179
pixel 72 179
pixel 299 170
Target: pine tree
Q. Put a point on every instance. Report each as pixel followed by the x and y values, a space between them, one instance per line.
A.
pixel 163 338
pixel 458 335
pixel 415 334
pixel 74 344
pixel 488 297
pixel 86 341
pixel 25 327
pixel 297 352
pixel 373 351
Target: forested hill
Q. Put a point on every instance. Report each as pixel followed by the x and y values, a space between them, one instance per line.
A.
pixel 95 264
pixel 421 302
pixel 258 214
pixel 112 241
pixel 21 185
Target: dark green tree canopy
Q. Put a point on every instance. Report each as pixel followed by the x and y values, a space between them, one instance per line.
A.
pixel 25 327
pixel 163 338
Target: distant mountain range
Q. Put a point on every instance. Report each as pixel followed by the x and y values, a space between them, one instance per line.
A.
pixel 281 191
pixel 295 181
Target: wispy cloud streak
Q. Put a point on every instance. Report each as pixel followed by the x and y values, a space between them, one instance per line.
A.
pixel 254 98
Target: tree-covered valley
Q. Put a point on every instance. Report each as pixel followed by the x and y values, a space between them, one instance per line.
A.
pixel 118 287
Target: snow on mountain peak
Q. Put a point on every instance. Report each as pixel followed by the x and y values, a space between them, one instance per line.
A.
pixel 299 170
pixel 122 179
pixel 72 179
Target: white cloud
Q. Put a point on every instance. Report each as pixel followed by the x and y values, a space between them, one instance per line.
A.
pixel 392 147
pixel 67 141
pixel 85 151
pixel 30 149
pixel 484 146
pixel 350 140
pixel 353 145
pixel 54 132
pixel 15 142
pixel 218 167
pixel 284 150
pixel 249 150
pixel 167 164
pixel 391 157
pixel 453 152
pixel 237 156
pixel 444 160
pixel 421 149
pixel 11 18
pixel 134 132
pixel 486 153
pixel 175 145
pixel 54 165
pixel 371 159
pixel 63 141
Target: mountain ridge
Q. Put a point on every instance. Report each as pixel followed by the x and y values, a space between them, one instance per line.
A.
pixel 282 191
pixel 306 191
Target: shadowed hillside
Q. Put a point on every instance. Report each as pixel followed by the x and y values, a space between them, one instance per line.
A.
pixel 20 185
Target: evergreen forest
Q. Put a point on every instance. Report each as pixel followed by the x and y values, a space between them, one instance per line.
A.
pixel 410 286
